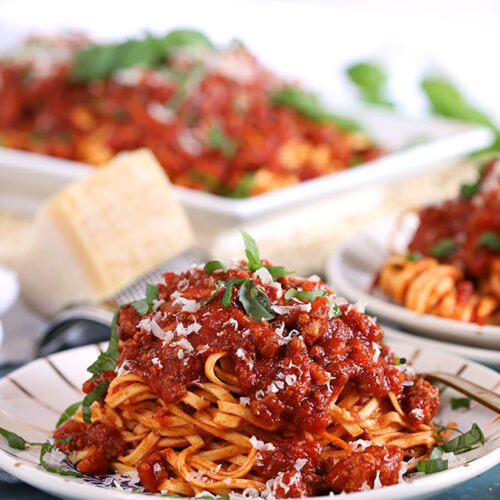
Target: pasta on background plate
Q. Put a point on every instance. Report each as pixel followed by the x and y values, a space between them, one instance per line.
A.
pixel 453 265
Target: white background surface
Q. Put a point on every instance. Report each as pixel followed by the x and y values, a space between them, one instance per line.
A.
pixel 311 40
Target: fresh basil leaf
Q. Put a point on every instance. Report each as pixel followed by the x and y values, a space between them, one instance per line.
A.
pixel 107 360
pixel 228 292
pixel 371 80
pixel 66 440
pixel 47 448
pixel 242 190
pixel 278 271
pixel 465 441
pixel 68 413
pixel 255 302
pixel 468 191
pixel 96 395
pixel 456 403
pixel 141 306
pixel 413 256
pixel 444 248
pixel 101 61
pixel 213 294
pixel 307 104
pixel 308 296
pixel 14 440
pixel 446 100
pixel 491 240
pixel 218 139
pixel 151 294
pixel 434 463
pixel 145 306
pixel 251 251
pixel 181 39
pixel 214 265
pixel 432 466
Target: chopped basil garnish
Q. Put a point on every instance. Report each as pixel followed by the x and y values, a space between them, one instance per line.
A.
pixel 413 256
pixel 460 444
pixel 214 293
pixel 14 440
pixel 434 463
pixel 371 80
pixel 218 139
pixel 145 306
pixel 47 448
pixel 68 413
pixel 255 302
pixel 447 100
pixel 253 257
pixel 307 104
pixel 336 312
pixel 456 403
pixel 96 395
pixel 242 190
pixel 251 251
pixel 444 248
pixel 107 360
pixel 278 271
pixel 228 292
pixel 214 265
pixel 465 441
pixel 491 240
pixel 308 296
pixel 101 61
pixel 468 191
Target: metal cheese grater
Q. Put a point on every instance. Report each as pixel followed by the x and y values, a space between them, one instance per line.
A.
pixel 86 324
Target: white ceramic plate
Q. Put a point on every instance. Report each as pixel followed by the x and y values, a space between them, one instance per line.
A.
pixel 27 178
pixel 351 271
pixel 33 397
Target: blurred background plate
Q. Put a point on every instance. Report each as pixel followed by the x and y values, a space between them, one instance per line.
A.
pixel 352 270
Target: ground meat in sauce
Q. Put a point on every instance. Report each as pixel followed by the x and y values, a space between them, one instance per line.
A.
pixel 361 469
pixel 290 380
pixel 152 471
pixel 102 443
pixel 420 402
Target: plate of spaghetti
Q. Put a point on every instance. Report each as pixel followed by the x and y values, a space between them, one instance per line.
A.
pixel 436 269
pixel 243 380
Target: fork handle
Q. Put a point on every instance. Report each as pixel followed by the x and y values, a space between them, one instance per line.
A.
pixel 484 396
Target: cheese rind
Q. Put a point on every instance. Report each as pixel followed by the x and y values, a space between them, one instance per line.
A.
pixel 101 234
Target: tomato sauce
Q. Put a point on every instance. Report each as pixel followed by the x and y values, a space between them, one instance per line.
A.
pixel 100 442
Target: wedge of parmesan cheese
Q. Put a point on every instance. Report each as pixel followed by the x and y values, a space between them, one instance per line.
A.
pixel 101 234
